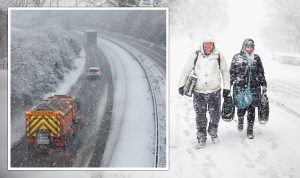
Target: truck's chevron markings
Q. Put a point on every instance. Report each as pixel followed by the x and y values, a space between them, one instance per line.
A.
pixel 56 120
pixel 53 123
pixel 44 122
pixel 33 121
pixel 47 121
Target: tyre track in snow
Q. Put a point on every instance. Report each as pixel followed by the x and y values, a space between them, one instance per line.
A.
pixel 280 92
pixel 98 99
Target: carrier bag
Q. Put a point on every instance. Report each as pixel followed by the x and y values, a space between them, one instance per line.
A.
pixel 228 109
pixel 243 98
pixel 263 109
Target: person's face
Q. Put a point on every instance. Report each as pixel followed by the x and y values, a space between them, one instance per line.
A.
pixel 208 47
pixel 249 49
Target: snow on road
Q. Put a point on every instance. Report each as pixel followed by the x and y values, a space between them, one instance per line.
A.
pixel 134 142
pixel 284 85
pixel 156 73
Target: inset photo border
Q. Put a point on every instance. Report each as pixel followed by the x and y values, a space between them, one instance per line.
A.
pixel 87 88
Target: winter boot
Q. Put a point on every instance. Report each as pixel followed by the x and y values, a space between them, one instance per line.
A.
pixel 250 131
pixel 201 140
pixel 215 139
pixel 240 123
pixel 212 130
pixel 201 144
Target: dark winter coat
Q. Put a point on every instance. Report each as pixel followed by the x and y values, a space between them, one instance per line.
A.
pixel 239 74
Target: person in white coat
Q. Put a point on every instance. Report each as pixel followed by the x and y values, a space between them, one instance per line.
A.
pixel 210 68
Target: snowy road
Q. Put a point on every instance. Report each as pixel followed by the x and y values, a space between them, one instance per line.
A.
pixel 153 60
pixel 133 131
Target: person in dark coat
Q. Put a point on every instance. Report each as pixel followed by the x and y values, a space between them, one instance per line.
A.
pixel 242 64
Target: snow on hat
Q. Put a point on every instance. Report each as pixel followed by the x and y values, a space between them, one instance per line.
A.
pixel 250 43
pixel 208 38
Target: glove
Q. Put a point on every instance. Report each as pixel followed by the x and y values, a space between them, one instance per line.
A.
pixel 226 93
pixel 181 90
pixel 264 90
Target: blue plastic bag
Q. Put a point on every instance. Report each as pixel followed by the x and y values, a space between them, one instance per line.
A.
pixel 243 99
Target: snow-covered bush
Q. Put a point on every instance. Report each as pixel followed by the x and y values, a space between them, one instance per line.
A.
pixel 39 60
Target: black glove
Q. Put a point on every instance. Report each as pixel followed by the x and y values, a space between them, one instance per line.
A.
pixel 226 93
pixel 181 90
pixel 264 90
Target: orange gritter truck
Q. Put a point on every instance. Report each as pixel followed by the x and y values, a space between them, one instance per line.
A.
pixel 52 122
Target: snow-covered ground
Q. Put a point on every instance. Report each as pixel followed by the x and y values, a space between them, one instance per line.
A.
pixel 134 141
pixel 283 84
pixel 272 153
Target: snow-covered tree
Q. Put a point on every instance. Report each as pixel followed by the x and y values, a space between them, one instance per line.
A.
pixel 39 59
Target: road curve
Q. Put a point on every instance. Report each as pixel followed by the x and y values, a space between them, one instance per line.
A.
pixel 132 132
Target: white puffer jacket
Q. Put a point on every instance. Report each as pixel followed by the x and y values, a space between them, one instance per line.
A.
pixel 208 72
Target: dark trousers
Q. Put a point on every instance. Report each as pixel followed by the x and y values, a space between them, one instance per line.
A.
pixel 212 103
pixel 250 115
